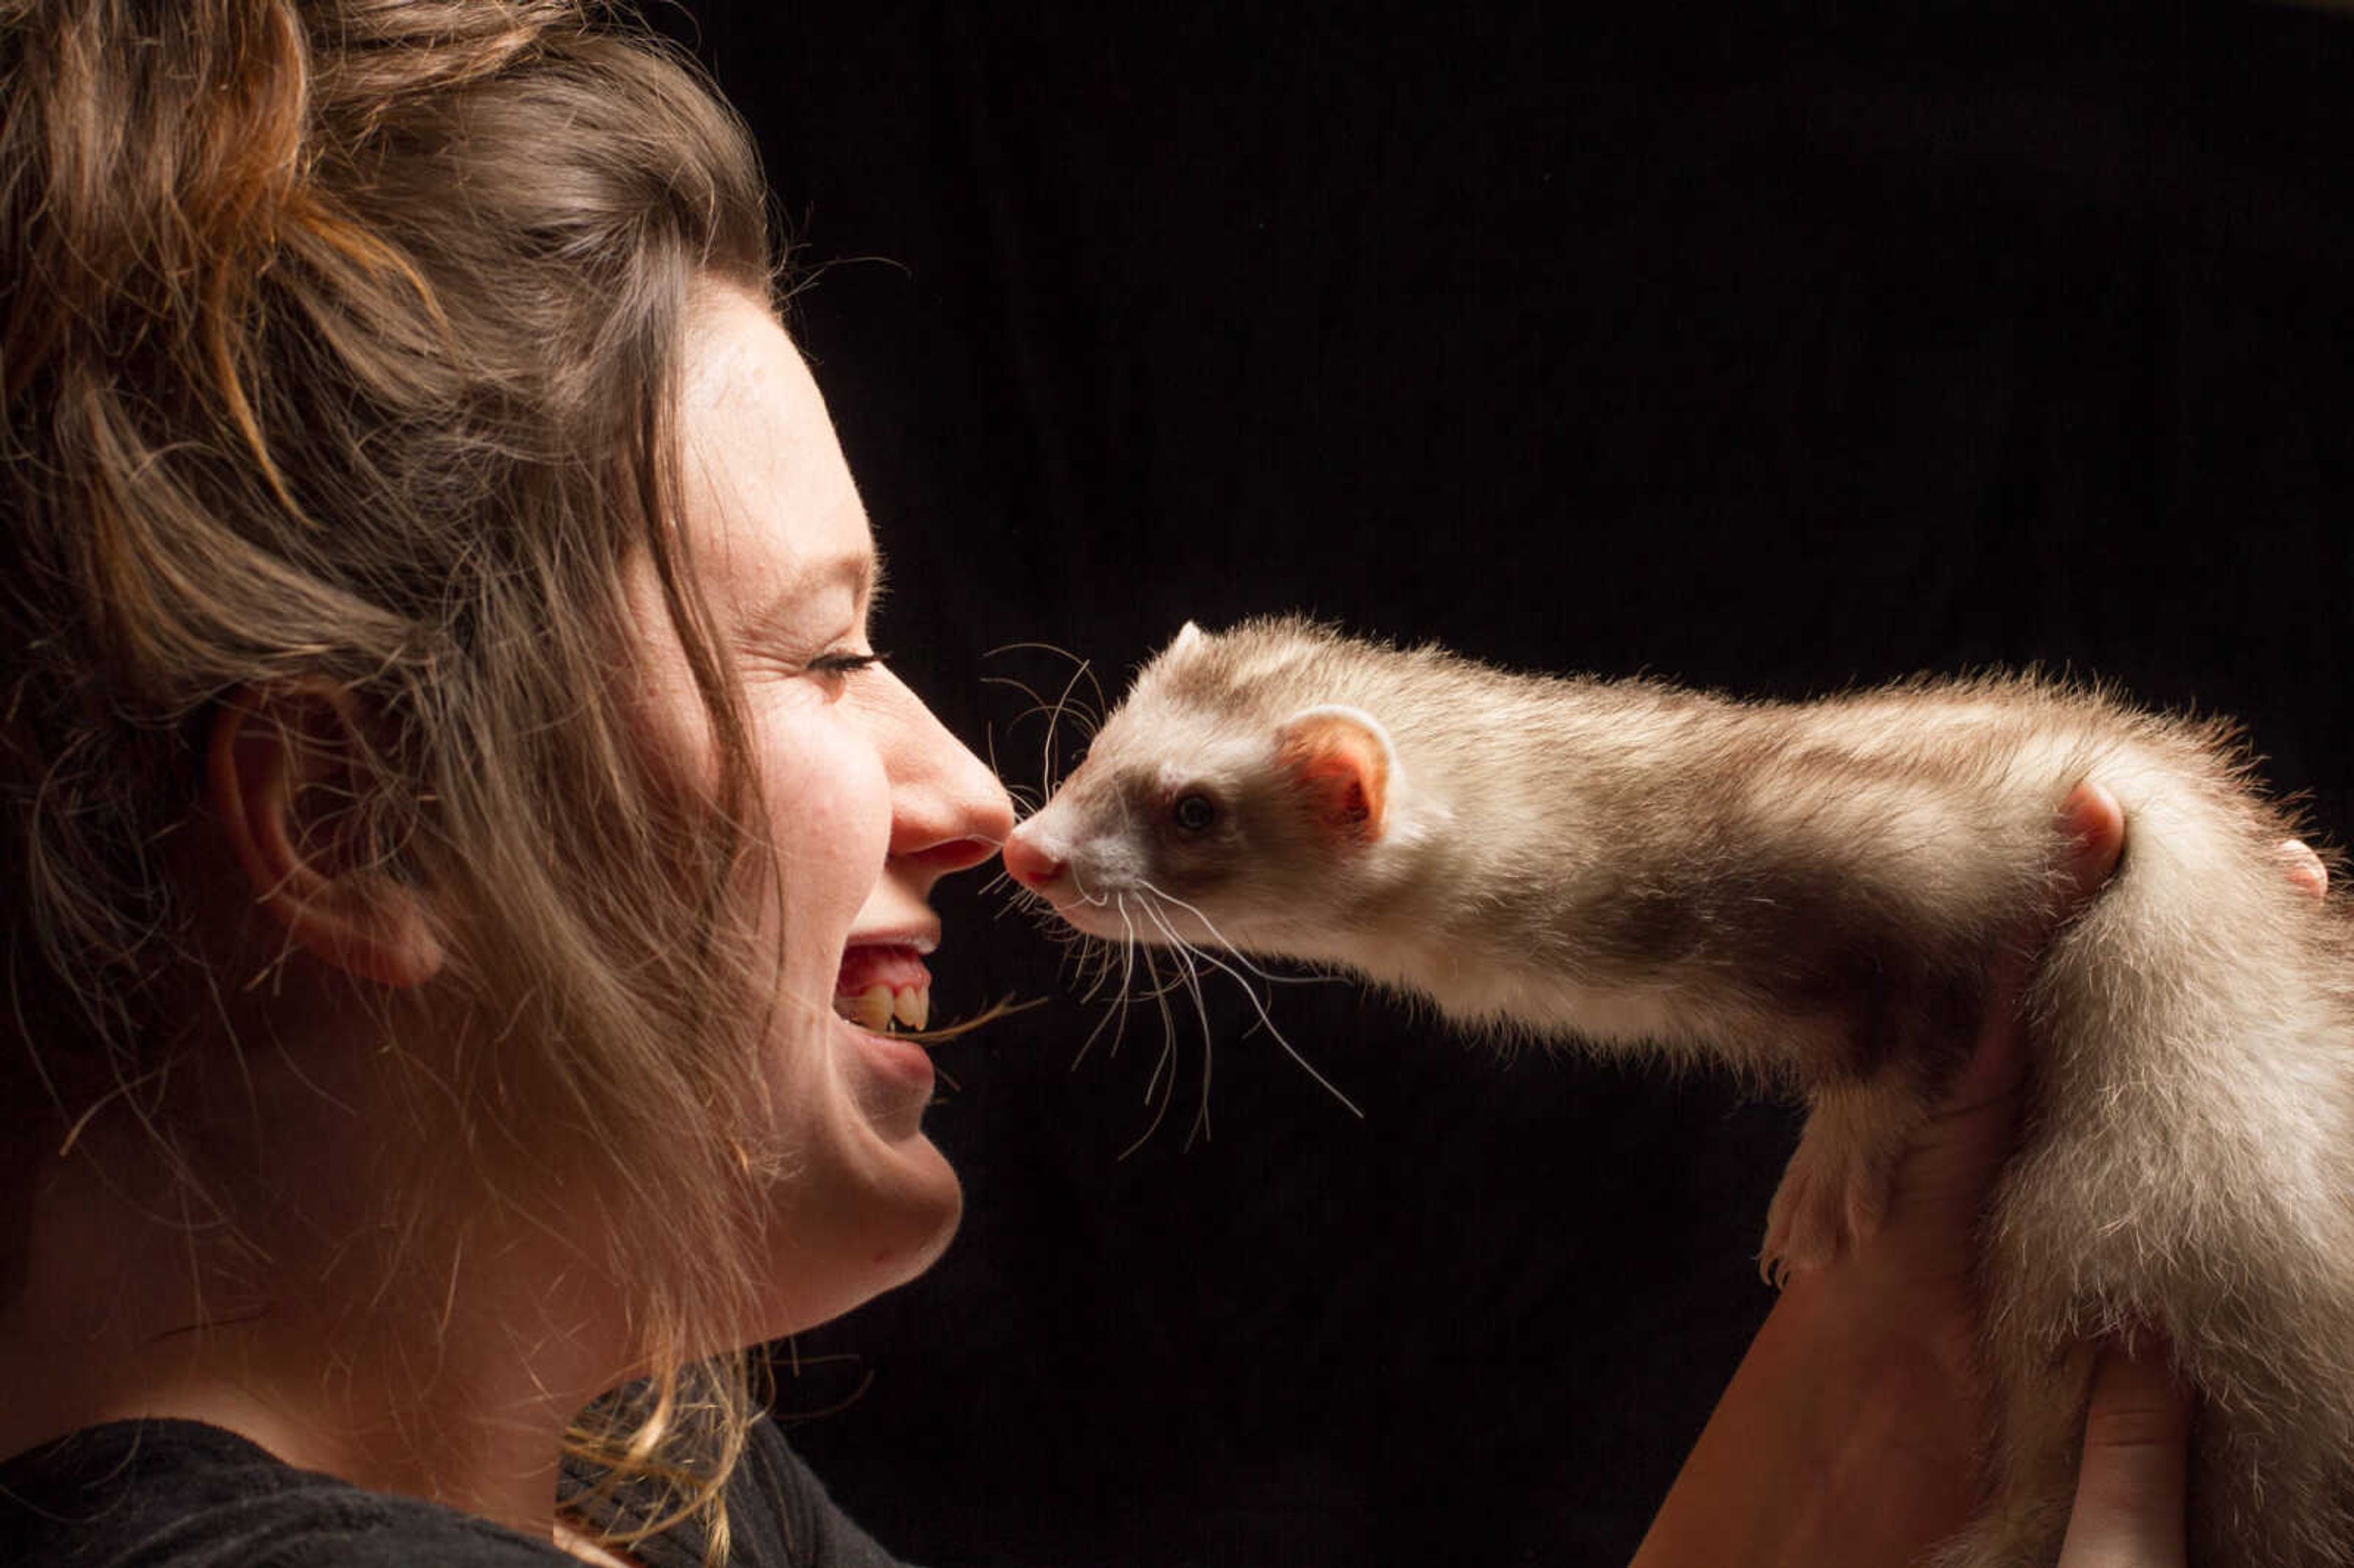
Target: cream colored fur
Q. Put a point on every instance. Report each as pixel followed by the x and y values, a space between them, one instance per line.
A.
pixel 1812 895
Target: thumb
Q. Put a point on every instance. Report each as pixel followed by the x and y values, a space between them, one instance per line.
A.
pixel 2129 1510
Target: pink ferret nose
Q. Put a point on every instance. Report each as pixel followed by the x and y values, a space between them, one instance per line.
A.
pixel 1030 865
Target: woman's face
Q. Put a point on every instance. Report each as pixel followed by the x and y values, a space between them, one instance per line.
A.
pixel 868 801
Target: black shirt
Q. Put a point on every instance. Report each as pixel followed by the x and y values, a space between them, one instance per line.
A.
pixel 179 1494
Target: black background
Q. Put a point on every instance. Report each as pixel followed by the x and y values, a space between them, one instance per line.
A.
pixel 1775 350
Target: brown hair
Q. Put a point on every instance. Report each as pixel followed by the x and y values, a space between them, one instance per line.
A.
pixel 342 342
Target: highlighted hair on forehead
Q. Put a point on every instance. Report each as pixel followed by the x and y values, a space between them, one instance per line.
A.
pixel 342 342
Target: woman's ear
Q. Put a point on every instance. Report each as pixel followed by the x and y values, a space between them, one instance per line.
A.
pixel 283 776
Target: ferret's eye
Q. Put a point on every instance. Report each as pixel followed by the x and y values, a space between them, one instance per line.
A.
pixel 1194 813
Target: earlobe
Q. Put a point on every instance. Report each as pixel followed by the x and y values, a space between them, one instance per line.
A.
pixel 1344 770
pixel 279 771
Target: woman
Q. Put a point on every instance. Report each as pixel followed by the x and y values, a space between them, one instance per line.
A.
pixel 381 382
pixel 451 802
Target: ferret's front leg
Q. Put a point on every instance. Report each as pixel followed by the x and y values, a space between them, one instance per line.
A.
pixel 1835 1192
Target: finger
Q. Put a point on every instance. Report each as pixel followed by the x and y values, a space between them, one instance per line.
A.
pixel 2128 1511
pixel 2304 867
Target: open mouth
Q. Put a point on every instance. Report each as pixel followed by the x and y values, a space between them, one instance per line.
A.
pixel 884 989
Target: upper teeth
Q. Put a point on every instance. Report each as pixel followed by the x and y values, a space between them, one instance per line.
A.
pixel 878 1006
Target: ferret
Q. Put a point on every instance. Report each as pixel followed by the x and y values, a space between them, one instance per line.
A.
pixel 1814 893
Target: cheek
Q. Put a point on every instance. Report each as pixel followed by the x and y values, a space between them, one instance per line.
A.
pixel 664 701
pixel 1194 868
pixel 827 804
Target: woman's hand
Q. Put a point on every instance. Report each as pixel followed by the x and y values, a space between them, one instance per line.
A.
pixel 1850 1432
pixel 2128 1510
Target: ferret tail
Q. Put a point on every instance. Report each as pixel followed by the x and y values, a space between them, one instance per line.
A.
pixel 2188 1168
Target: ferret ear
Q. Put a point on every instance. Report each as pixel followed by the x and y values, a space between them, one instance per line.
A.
pixel 1187 635
pixel 1340 763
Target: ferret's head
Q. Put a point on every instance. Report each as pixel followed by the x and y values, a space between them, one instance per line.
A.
pixel 1235 796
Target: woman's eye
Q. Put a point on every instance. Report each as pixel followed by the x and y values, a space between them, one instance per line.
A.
pixel 1194 813
pixel 844 663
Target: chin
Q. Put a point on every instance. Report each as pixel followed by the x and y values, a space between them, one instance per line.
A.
pixel 919 1258
pixel 861 1201
pixel 924 1217
pixel 875 1224
pixel 911 1225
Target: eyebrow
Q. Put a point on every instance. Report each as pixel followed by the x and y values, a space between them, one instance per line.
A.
pixel 863 573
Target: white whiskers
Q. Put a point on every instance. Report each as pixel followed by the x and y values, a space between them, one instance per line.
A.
pixel 1124 970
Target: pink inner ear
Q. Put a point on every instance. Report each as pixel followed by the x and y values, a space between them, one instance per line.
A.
pixel 1341 773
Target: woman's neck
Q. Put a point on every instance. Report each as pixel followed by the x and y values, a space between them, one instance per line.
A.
pixel 451 1379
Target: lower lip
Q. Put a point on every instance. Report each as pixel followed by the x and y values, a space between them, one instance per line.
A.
pixel 894 1058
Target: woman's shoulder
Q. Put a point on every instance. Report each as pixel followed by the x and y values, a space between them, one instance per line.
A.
pixel 779 1516
pixel 180 1494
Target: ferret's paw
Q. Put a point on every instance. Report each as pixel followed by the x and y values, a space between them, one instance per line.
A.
pixel 1834 1194
pixel 1805 1225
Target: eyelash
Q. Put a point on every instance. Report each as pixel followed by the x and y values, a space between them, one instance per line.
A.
pixel 844 663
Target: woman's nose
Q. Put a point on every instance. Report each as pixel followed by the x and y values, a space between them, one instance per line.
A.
pixel 957 854
pixel 949 812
